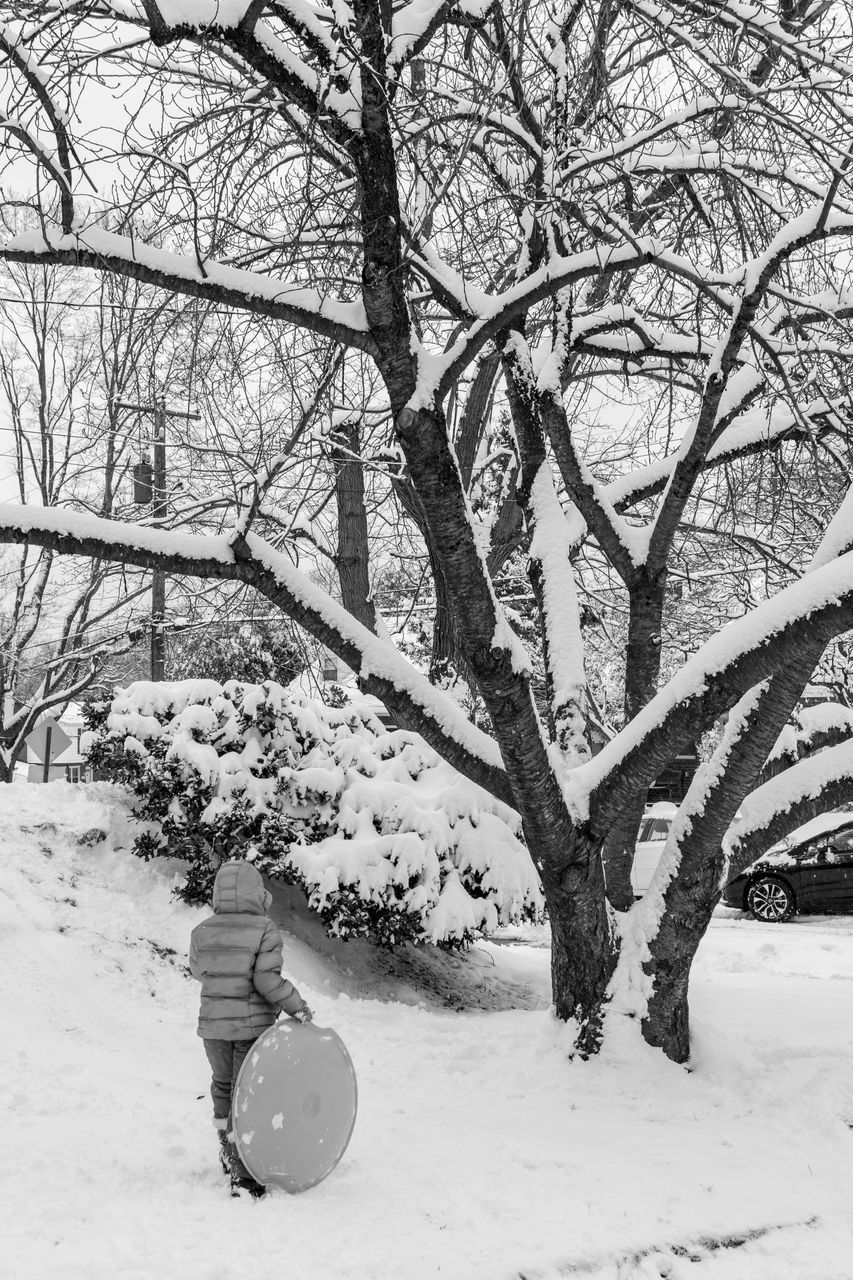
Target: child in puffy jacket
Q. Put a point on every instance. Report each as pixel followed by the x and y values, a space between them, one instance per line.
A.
pixel 236 955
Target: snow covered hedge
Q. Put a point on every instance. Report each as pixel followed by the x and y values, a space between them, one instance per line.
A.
pixel 388 841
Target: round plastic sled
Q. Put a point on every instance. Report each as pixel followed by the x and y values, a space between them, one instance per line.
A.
pixel 294 1105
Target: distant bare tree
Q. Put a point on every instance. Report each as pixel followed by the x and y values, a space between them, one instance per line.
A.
pixel 61 621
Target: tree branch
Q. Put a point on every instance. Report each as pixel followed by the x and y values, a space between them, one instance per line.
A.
pixel 811 611
pixel 177 273
pixel 381 668
pixel 811 787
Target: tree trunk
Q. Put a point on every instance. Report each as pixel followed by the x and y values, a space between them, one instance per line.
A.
pixel 692 894
pixel 474 416
pixel 642 670
pixel 618 853
pixel 446 658
pixel 642 666
pixel 584 950
pixel 689 910
pixel 574 883
pixel 351 559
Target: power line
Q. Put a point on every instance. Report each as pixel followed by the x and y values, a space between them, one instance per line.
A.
pixel 84 650
pixel 105 306
pixel 102 438
pixel 176 626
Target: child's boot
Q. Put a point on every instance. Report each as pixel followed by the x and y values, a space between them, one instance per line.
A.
pixel 242 1181
pixel 246 1186
pixel 224 1152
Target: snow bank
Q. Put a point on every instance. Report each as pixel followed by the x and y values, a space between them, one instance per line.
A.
pixel 480 1150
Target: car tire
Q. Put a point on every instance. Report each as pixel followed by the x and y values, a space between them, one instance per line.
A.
pixel 770 900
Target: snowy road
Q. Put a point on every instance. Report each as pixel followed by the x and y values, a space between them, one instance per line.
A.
pixel 480 1151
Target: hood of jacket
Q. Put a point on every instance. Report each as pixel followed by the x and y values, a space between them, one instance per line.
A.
pixel 239 888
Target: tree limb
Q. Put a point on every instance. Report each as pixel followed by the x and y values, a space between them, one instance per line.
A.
pixel 382 669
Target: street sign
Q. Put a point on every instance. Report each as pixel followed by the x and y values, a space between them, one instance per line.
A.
pixel 47 741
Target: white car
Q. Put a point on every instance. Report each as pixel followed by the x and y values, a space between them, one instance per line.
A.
pixel 651 838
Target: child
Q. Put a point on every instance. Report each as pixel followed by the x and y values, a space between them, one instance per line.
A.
pixel 236 956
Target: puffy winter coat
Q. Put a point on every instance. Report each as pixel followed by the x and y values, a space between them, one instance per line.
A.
pixel 236 956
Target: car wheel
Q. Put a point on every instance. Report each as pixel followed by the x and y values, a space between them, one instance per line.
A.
pixel 770 900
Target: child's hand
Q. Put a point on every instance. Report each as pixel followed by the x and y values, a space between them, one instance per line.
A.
pixel 304 1014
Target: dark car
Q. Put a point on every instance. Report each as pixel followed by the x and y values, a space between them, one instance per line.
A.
pixel 814 873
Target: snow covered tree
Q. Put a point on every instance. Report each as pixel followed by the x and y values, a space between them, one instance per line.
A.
pixel 444 203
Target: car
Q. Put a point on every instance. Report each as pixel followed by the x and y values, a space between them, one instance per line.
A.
pixel 651 838
pixel 810 871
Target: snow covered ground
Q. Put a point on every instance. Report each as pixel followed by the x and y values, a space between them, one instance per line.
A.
pixel 480 1150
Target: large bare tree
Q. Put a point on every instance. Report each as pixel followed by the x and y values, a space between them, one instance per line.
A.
pixel 458 206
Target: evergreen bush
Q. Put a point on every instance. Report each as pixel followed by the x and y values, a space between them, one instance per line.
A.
pixel 386 839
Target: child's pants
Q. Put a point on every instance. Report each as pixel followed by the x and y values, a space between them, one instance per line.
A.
pixel 226 1059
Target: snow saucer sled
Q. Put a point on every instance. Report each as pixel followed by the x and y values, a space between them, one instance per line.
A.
pixel 294 1105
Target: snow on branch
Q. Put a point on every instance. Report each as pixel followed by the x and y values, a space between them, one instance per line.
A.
pixel 380 666
pixel 183 273
pixel 500 309
pixel 817 607
pixel 813 729
pixel 237 24
pixel 550 546
pixel 816 224
pixel 622 330
pixel 271 57
pixel 45 158
pixel 56 160
pixel 671 151
pixel 412 26
pixel 305 20
pixel 624 545
pixel 200 14
pixel 763 24
pixel 837 536
pixel 450 288
pixel 753 277
pixel 752 432
pixel 787 801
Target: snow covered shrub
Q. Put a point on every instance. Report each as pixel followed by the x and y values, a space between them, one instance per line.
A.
pixel 388 841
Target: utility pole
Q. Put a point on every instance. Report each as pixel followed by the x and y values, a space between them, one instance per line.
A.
pixel 159 508
pixel 158 577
